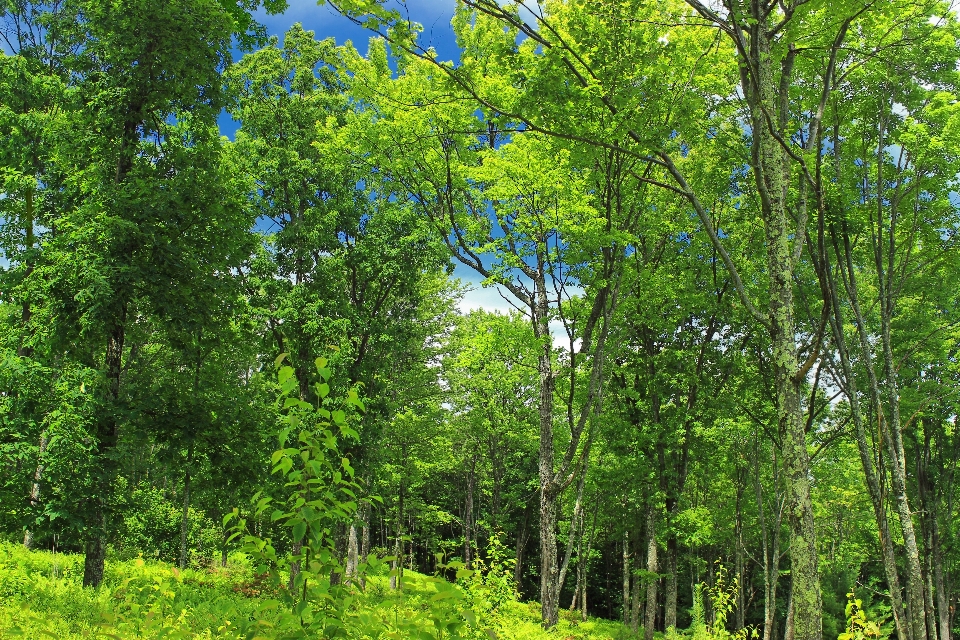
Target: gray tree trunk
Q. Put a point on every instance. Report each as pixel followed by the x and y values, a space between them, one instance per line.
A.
pixel 35 488
pixel 653 566
pixel 672 584
pixel 353 553
pixel 185 515
pixel 626 577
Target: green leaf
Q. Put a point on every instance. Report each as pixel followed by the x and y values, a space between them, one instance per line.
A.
pixel 299 530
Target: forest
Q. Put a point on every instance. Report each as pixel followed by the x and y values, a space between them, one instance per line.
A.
pixel 244 392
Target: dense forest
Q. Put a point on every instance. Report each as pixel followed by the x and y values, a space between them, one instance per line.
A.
pixel 722 386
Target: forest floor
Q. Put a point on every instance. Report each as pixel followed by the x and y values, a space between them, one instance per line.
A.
pixel 41 597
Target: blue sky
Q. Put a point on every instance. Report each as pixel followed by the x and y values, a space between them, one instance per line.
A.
pixel 434 15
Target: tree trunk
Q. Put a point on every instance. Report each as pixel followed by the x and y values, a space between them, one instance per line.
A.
pixel 295 550
pixel 549 491
pixel 898 478
pixel 653 567
pixel 35 488
pixel 670 597
pixel 522 536
pixel 626 577
pixel 864 448
pixel 25 351
pixel 770 171
pixel 635 615
pixel 468 515
pixel 352 553
pixel 892 437
pixel 789 627
pixel 94 554
pixel 95 545
pixel 738 554
pixel 185 516
pixel 576 521
pixel 943 607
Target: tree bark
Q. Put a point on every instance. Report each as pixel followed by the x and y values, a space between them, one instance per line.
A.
pixel 672 584
pixel 653 566
pixel 35 488
pixel 353 559
pixel 95 545
pixel 626 577
pixel 770 169
pixel 522 537
pixel 468 515
pixel 874 488
pixel 185 516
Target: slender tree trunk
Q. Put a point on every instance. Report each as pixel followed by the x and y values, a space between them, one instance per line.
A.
pixel 522 536
pixel 626 577
pixel 789 628
pixel 364 539
pixel 549 490
pixel 670 597
pixel 635 606
pixel 185 516
pixel 943 607
pixel 25 351
pixel 874 488
pixel 770 547
pixel 468 515
pixel 353 559
pixel 892 437
pixel 296 549
pixel 738 554
pixel 576 521
pixel 365 532
pixel 899 484
pixel 95 545
pixel 653 566
pixel 35 488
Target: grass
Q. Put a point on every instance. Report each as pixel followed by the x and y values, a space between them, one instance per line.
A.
pixel 41 597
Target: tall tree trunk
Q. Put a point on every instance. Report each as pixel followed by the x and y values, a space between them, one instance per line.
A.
pixel 576 520
pixel 549 491
pixel 25 351
pixel 943 607
pixel 626 577
pixel 364 538
pixel 185 516
pixel 770 170
pixel 353 559
pixel 874 487
pixel 35 487
pixel 738 553
pixel 770 547
pixel 523 535
pixel 468 515
pixel 636 613
pixel 892 437
pixel 672 584
pixel 95 544
pixel 653 566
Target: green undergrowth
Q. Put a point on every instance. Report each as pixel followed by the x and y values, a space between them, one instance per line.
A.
pixel 41 597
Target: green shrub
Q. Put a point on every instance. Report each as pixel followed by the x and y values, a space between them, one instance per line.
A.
pixel 151 527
